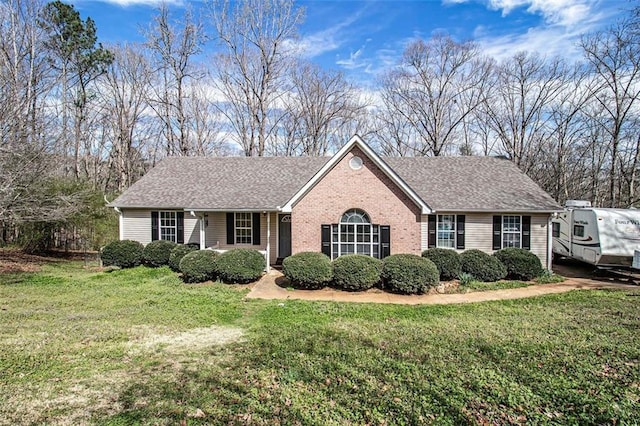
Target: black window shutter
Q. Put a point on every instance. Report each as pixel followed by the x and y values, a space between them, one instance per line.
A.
pixel 497 232
pixel 180 230
pixel 256 229
pixel 231 229
pixel 432 231
pixel 526 232
pixel 154 226
pixel 385 241
pixel 325 231
pixel 460 231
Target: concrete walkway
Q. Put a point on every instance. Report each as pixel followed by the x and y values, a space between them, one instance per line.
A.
pixel 268 288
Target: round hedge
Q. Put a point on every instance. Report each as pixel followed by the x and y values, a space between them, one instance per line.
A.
pixel 124 254
pixel 308 270
pixel 157 253
pixel 198 266
pixel 521 264
pixel 482 266
pixel 177 253
pixel 356 272
pixel 408 274
pixel 240 265
pixel 446 260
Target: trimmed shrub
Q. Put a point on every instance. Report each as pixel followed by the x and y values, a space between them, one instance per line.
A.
pixel 482 266
pixel 521 264
pixel 408 274
pixel 308 270
pixel 198 266
pixel 240 266
pixel 356 272
pixel 157 253
pixel 446 260
pixel 124 254
pixel 177 253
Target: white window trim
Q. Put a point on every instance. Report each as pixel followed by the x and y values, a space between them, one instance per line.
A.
pixel 235 229
pixel 174 217
pixel 372 244
pixel 502 231
pixel 455 230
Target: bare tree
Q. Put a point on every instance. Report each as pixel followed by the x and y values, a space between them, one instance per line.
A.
pixel 125 94
pixel 250 71
pixel 320 103
pixel 174 48
pixel 28 166
pixel 614 58
pixel 439 84
pixel 517 113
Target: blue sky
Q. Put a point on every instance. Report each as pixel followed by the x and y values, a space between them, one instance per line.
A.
pixel 362 37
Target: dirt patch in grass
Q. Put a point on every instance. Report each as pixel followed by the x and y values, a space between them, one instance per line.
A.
pixel 14 260
pixel 194 340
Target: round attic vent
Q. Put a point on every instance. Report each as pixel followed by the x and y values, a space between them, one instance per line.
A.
pixel 355 163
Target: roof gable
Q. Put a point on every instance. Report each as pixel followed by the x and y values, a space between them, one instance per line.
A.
pixel 375 158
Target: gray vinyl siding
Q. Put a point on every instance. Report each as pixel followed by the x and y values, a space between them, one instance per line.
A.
pixel 479 233
pixel 191 229
pixel 137 226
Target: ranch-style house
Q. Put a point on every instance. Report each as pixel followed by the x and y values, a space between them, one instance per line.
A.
pixel 353 202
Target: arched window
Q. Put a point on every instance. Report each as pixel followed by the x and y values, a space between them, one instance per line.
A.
pixel 355 234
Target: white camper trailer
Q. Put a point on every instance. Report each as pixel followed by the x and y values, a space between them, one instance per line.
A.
pixel 601 237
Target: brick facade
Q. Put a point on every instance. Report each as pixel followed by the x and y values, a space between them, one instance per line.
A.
pixel 368 189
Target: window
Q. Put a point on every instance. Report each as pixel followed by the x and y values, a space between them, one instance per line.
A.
pixel 578 230
pixel 511 231
pixel 355 235
pixel 243 227
pixel 446 231
pixel 555 231
pixel 168 226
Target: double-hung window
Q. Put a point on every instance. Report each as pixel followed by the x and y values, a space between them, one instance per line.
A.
pixel 446 231
pixel 511 231
pixel 243 228
pixel 168 226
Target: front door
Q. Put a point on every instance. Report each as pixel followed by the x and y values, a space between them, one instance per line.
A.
pixel 284 235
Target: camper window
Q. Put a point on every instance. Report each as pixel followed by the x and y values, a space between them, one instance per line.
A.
pixel 511 231
pixel 556 230
pixel 578 230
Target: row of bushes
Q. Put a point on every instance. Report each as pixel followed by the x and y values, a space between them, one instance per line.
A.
pixel 233 266
pixel 398 273
pixel 510 263
pixel 407 273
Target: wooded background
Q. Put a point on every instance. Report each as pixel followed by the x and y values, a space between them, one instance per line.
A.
pixel 80 122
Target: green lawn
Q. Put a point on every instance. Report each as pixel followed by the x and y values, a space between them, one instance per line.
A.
pixel 139 347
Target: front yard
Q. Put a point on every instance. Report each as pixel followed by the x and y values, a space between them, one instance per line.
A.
pixel 78 345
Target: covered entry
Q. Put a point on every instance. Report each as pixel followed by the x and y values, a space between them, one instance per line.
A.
pixel 284 236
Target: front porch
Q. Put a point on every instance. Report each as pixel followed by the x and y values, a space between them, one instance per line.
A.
pixel 266 231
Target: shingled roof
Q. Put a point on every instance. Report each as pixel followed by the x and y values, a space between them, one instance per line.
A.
pixel 267 183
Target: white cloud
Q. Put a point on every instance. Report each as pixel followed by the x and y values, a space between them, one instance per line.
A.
pixel 326 40
pixel 561 12
pixel 566 21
